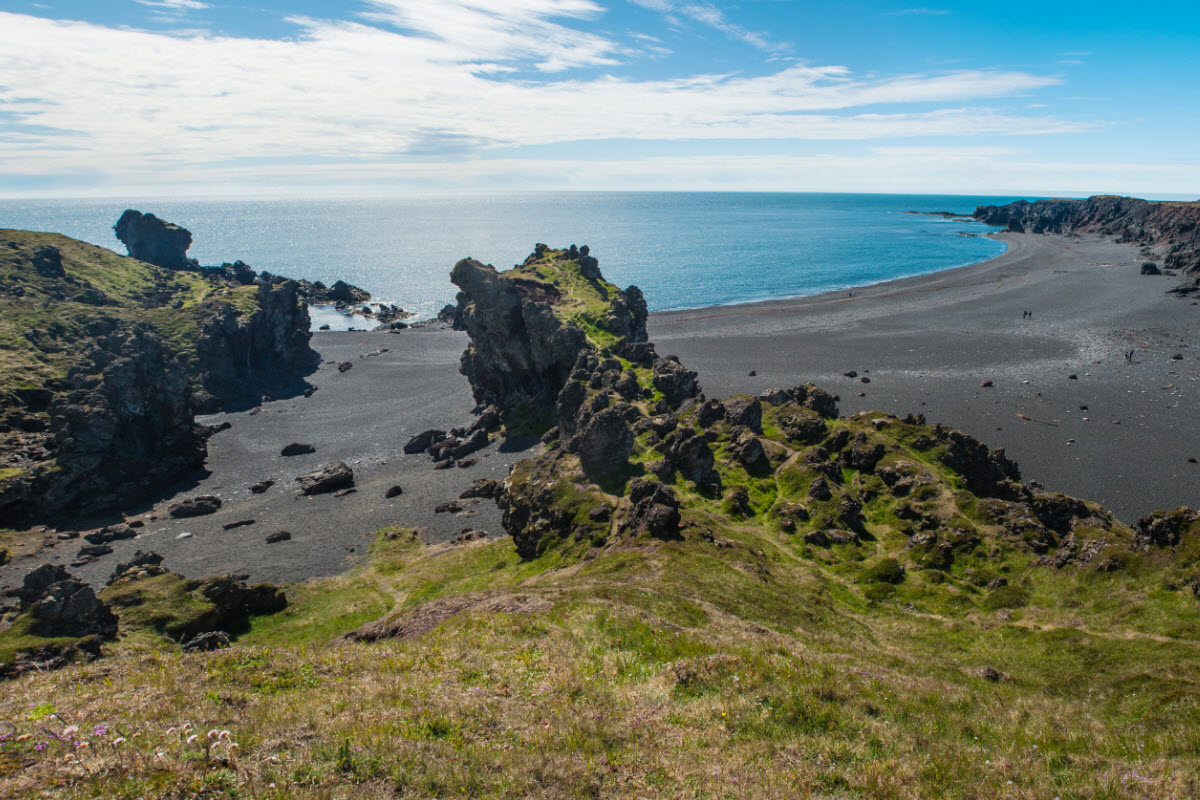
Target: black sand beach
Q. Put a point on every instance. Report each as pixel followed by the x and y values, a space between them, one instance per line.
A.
pixel 1120 432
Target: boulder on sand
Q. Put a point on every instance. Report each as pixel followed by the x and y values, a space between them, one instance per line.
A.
pixel 327 479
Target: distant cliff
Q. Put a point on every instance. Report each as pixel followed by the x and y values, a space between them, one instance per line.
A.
pixel 105 360
pixel 1172 228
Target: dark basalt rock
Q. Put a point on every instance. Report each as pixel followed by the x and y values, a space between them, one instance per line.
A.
pixel 605 445
pixel 297 449
pixel 111 533
pixel 675 381
pixel 472 444
pixel 48 262
pixel 423 441
pixel 207 642
pixel 154 241
pixel 1166 528
pixel 280 536
pixel 654 510
pixel 986 472
pixel 1174 226
pixel 520 354
pixel 486 488
pixel 342 292
pixel 709 413
pixel 817 399
pixel 330 478
pixel 145 564
pixel 744 411
pixel 692 456
pixel 64 606
pixel 261 486
pixel 862 454
pixel 195 506
pixel 393 491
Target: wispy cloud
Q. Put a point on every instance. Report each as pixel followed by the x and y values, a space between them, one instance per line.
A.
pixel 715 18
pixel 500 30
pixel 174 5
pixel 414 84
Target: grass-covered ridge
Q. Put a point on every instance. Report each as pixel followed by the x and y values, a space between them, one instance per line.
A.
pixel 44 319
pixel 737 660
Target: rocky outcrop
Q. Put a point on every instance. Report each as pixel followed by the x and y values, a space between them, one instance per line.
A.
pixel 1172 227
pixel 526 334
pixel 57 607
pixel 125 427
pixel 242 356
pixel 154 241
pixel 123 372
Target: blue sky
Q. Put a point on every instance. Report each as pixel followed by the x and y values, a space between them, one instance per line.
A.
pixel 310 98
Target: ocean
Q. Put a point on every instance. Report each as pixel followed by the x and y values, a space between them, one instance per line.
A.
pixel 684 249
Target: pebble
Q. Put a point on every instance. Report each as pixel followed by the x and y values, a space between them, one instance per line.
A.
pixel 184 535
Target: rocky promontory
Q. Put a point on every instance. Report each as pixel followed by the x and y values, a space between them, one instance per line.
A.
pixel 105 360
pixel 636 454
pixel 1170 229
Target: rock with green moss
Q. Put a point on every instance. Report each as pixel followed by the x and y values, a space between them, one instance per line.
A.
pixel 105 360
pixel 529 326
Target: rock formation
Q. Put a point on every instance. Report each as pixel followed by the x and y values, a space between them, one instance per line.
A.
pixel 527 334
pixel 154 241
pixel 114 356
pixel 1172 227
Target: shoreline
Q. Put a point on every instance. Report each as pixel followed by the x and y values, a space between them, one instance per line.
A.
pixel 1112 434
pixel 1064 402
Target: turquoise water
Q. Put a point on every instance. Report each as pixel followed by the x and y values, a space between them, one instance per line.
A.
pixel 684 250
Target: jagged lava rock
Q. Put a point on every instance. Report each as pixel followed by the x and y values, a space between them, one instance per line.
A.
pixel 526 333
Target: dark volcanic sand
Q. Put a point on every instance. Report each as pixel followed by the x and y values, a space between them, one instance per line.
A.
pixel 364 417
pixel 925 343
pixel 929 343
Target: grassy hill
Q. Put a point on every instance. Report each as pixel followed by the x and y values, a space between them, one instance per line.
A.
pixel 862 607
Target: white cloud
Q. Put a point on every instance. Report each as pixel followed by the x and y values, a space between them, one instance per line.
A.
pixel 495 30
pixel 174 5
pixel 713 17
pixel 437 87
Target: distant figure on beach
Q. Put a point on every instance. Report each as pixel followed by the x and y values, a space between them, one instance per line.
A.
pixel 1129 356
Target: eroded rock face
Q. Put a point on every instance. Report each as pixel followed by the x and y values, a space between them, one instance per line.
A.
pixel 987 473
pixel 522 352
pixel 1175 226
pixel 655 509
pixel 605 445
pixel 154 241
pixel 242 356
pixel 64 606
pixel 126 427
pixel 675 381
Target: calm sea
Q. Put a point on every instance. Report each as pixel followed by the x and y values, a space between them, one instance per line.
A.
pixel 684 250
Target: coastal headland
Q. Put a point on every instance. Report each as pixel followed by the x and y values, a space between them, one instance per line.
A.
pixel 695 585
pixel 1061 399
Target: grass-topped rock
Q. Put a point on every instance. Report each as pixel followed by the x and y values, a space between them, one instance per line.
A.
pixel 104 360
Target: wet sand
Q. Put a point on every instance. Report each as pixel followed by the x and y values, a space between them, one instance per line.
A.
pixel 925 344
